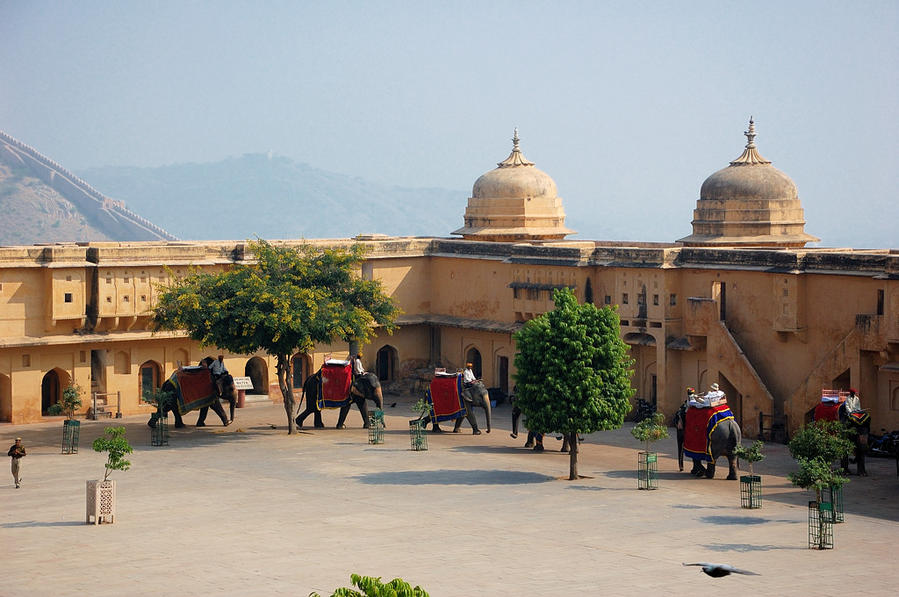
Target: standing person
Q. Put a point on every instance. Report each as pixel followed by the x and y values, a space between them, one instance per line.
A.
pixel 218 371
pixel 17 453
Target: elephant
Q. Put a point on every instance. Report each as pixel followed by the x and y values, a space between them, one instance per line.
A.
pixel 474 395
pixel 364 387
pixel 723 441
pixel 229 393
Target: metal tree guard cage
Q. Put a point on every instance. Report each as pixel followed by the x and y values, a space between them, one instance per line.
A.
pixel 418 436
pixel 647 470
pixel 750 491
pixel 71 430
pixel 820 527
pixel 159 435
pixel 834 496
pixel 376 427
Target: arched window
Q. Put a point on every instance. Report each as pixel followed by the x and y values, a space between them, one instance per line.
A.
pixel 473 356
pixel 5 399
pixel 385 363
pixel 150 377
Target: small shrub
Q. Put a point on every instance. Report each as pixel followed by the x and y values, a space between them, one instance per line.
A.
pixel 373 587
pixel 116 446
pixel 70 402
pixel 751 454
pixel 650 429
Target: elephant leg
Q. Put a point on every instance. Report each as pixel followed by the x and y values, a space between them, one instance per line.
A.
pixel 341 418
pixel 457 425
pixel 538 442
pixel 362 405
pixel 732 467
pixel 472 420
pixel 152 422
pixel 201 420
pixel 698 469
pixel 710 471
pixel 680 450
pixel 179 422
pixel 217 407
pixel 302 416
pixel 530 441
pixel 516 413
pixel 861 448
pixel 232 405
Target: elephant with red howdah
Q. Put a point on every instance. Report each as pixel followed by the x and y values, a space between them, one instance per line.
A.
pixel 363 388
pixel 200 392
pixel 709 433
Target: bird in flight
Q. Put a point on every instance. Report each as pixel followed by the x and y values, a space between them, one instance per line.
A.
pixel 719 570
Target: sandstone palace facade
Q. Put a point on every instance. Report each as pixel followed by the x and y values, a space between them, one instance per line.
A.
pixel 741 302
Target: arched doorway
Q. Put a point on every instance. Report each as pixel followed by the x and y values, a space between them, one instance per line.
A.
pixel 588 292
pixel 257 370
pixel 473 356
pixel 300 369
pixel 51 388
pixel 385 363
pixel 150 377
pixel 5 399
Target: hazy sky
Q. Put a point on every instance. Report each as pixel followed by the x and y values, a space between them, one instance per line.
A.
pixel 628 105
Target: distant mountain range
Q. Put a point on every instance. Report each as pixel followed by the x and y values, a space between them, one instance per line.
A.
pixel 275 198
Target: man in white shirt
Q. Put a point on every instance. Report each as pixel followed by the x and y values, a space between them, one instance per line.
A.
pixel 218 370
pixel 468 377
pixel 358 369
pixel 853 402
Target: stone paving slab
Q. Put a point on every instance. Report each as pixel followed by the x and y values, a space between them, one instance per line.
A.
pixel 249 510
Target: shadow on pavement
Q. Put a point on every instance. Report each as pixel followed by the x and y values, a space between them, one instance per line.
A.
pixel 746 547
pixel 34 523
pixel 453 477
pixel 739 520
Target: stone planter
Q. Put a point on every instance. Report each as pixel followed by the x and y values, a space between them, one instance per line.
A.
pixel 376 427
pixel 820 525
pixel 71 430
pixel 418 436
pixel 100 502
pixel 750 491
pixel 647 470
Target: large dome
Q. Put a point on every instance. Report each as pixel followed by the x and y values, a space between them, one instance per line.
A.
pixel 514 202
pixel 748 204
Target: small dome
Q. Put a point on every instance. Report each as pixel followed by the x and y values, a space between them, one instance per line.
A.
pixel 749 204
pixel 514 183
pixel 761 182
pixel 514 202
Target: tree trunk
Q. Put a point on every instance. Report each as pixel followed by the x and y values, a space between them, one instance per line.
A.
pixel 284 379
pixel 572 456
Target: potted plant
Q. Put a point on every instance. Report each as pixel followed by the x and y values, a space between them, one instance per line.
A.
pixel 101 494
pixel 816 447
pixel 649 430
pixel 71 428
pixel 374 587
pixel 417 426
pixel 162 400
pixel 751 484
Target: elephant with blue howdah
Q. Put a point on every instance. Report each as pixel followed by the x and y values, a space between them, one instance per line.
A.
pixel 365 387
pixel 722 441
pixel 229 393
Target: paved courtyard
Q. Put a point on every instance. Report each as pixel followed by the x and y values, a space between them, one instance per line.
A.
pixel 249 510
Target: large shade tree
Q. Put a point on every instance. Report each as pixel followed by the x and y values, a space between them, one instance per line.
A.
pixel 285 301
pixel 573 371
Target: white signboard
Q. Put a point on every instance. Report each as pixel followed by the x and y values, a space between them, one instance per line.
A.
pixel 243 383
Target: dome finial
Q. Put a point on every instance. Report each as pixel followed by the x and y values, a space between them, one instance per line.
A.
pixel 515 158
pixel 750 155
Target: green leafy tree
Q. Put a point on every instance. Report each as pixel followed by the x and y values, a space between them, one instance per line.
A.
pixel 290 299
pixel 70 402
pixel 650 429
pixel 827 440
pixel 116 445
pixel 373 587
pixel 573 371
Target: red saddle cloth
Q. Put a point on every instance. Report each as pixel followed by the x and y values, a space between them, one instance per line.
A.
pixel 194 388
pixel 698 427
pixel 334 390
pixel 828 411
pixel 445 395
